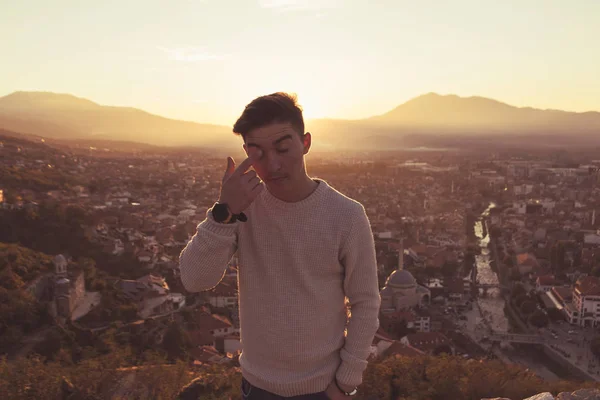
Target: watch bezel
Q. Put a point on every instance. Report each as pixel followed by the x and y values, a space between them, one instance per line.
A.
pixel 221 212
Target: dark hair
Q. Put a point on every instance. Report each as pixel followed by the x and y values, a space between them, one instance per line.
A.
pixel 272 108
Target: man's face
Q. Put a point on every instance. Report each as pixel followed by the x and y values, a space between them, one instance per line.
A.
pixel 281 165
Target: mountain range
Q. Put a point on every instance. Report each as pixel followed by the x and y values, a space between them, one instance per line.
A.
pixel 442 120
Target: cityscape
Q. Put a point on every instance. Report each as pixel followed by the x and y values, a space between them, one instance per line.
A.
pixel 489 257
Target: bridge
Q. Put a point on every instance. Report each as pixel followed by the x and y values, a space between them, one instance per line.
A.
pixel 516 338
pixel 490 286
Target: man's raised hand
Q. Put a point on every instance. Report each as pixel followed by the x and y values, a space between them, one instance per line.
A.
pixel 240 187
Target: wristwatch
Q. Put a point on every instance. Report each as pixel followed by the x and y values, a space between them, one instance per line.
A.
pixel 352 393
pixel 221 214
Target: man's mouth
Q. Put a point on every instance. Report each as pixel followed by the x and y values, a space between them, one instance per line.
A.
pixel 276 178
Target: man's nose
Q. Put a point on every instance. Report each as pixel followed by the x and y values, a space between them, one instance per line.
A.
pixel 273 163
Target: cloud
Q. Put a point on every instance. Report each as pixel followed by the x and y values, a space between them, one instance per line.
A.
pixel 299 5
pixel 191 54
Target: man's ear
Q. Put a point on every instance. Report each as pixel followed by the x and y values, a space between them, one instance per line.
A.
pixel 306 142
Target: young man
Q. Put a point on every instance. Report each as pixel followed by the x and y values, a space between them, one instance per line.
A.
pixel 303 248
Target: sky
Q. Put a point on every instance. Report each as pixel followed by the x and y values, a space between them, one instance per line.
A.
pixel 204 60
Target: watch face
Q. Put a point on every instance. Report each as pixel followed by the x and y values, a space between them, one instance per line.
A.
pixel 220 212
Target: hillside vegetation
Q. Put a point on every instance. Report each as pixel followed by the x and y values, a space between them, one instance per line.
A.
pixel 422 378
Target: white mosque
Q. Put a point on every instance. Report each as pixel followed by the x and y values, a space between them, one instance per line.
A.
pixel 401 290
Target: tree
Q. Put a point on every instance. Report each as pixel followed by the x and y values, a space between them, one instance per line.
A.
pixel 555 314
pixel 557 256
pixel 179 234
pixel 538 319
pixel 10 280
pixel 442 349
pixel 520 299
pixel 449 269
pixel 127 312
pixel 515 275
pixel 176 342
pixel 595 346
pixel 50 346
pixel 469 261
pixel 509 261
pixel 88 265
pixel 528 307
pixel 518 290
pixel 430 271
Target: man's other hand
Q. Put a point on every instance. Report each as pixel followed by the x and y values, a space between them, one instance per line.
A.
pixel 334 393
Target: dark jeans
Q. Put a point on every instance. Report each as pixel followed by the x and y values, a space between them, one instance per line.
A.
pixel 250 392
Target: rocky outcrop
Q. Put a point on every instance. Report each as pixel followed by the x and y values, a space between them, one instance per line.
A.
pixel 582 394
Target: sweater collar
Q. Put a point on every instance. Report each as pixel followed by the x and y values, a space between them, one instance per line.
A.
pixel 273 201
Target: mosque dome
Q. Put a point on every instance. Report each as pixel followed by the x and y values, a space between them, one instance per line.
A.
pixel 402 279
pixel 386 291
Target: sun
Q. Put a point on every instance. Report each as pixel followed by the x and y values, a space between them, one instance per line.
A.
pixel 312 105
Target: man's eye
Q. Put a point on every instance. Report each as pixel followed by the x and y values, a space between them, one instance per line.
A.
pixel 282 150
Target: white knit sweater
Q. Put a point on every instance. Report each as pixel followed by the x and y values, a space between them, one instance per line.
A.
pixel 297 264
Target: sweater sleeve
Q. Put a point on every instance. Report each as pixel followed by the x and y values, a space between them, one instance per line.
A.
pixel 203 261
pixel 362 290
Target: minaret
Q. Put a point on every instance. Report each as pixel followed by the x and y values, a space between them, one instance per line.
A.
pixel 401 255
pixel 452 187
pixel 594 217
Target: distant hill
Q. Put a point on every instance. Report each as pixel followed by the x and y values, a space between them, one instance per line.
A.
pixel 450 120
pixel 430 119
pixel 66 116
pixel 484 115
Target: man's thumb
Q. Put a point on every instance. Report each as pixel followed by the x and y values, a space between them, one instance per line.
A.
pixel 230 167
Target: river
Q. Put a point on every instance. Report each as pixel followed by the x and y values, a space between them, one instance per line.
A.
pixel 490 301
pixel 490 311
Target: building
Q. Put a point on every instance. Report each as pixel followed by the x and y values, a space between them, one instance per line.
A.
pixel 586 301
pixel 151 295
pixel 69 288
pixel 401 290
pixel 545 283
pixel 224 295
pixel 428 342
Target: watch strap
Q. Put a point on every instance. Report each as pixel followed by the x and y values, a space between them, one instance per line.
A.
pixel 231 217
pixel 352 393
